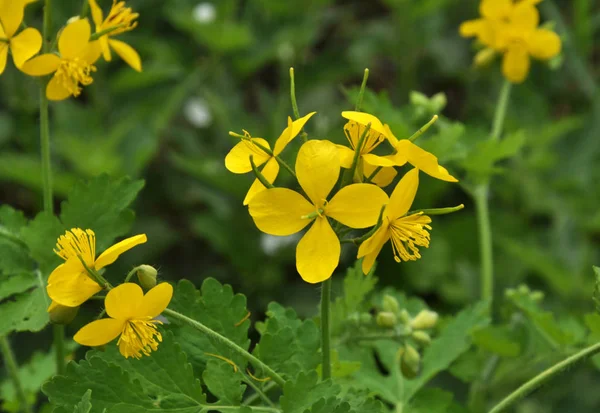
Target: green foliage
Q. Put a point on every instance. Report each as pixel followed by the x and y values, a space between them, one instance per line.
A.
pixel 84 406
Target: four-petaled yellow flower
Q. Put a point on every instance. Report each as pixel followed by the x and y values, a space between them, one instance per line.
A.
pixel 23 45
pixel 238 158
pixel 281 211
pixel 132 315
pixel 406 232
pixel 122 19
pixel 354 129
pixel 70 284
pixel 74 65
pixel 405 151
pixel 511 28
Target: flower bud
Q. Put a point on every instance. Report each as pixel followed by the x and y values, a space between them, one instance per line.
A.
pixel 410 362
pixel 366 318
pixel 60 314
pixel 484 57
pixel 537 296
pixel 404 317
pixel 390 304
pixel 422 338
pixel 386 319
pixel 424 320
pixel 147 276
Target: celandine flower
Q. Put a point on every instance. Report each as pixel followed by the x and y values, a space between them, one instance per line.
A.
pixel 70 284
pixel 73 67
pixel 122 19
pixel 406 232
pixel 132 316
pixel 238 158
pixel 511 28
pixel 23 45
pixel 281 211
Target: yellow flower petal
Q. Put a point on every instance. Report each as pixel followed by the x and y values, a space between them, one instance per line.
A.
pixel 403 195
pixel 25 45
pixel 270 172
pixel 55 90
pixel 346 156
pixel 543 44
pixel 318 169
pixel 127 53
pixel 495 9
pixel 91 52
pixel 105 47
pixel 99 332
pixel 384 177
pixel 290 133
pixel 11 16
pixel 515 64
pixel 111 254
pixel 318 252
pixel 389 135
pixel 3 55
pixel 41 65
pixel 124 301
pixel 238 158
pixel 279 211
pixel 74 39
pixel 70 285
pixel 364 119
pixel 156 300
pixel 424 161
pixel 471 28
pixel 371 247
pixel 97 15
pixel 357 205
pixel 376 160
pixel 524 17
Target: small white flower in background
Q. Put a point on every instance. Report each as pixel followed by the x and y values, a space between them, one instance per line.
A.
pixel 270 244
pixel 204 13
pixel 197 112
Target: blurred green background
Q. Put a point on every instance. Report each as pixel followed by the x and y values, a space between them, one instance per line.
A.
pixel 212 67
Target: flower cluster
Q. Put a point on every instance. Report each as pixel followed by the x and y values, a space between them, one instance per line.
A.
pixel 511 28
pixel 331 203
pixel 77 49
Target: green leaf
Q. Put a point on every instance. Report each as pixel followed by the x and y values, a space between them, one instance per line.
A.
pixel 224 382
pixel 101 204
pixel 483 158
pixel 14 257
pixel 219 309
pixel 498 340
pixel 40 236
pixel 430 401
pixel 596 295
pixel 24 312
pixel 84 406
pixel 287 344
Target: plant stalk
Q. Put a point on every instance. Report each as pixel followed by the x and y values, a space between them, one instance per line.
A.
pixel 13 371
pixel 325 333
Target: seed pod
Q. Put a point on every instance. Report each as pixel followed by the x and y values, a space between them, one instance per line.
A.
pixel 386 319
pixel 424 320
pixel 147 276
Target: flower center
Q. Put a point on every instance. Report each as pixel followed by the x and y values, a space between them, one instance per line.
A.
pixel 407 234
pixel 77 242
pixel 121 16
pixel 354 131
pixel 73 72
pixel 139 337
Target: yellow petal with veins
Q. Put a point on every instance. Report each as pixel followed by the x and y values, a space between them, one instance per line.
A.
pixel 99 332
pixel 403 195
pixel 346 156
pixel 74 39
pixel 357 205
pixel 25 45
pixel 156 300
pixel 70 285
pixel 318 252
pixel 123 301
pixel 270 172
pixel 318 169
pixel 238 158
pixel 127 53
pixel 111 254
pixel 384 176
pixel 11 16
pixel 290 133
pixel 515 64
pixel 364 119
pixel 279 211
pixel 543 44
pixel 41 65
pixel 371 247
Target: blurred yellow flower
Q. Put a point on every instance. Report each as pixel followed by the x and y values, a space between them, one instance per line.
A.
pixel 70 284
pixel 238 158
pixel 511 28
pixel 281 211
pixel 354 129
pixel 132 316
pixel 23 45
pixel 406 232
pixel 74 65
pixel 120 19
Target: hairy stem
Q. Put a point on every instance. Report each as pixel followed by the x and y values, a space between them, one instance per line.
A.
pixel 325 333
pixel 13 371
pixel 361 93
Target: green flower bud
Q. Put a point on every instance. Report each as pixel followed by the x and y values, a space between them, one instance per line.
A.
pixel 147 276
pixel 422 338
pixel 60 314
pixel 537 296
pixel 410 362
pixel 354 318
pixel 386 319
pixel 404 317
pixel 366 318
pixel 390 304
pixel 523 289
pixel 424 320
pixel 484 57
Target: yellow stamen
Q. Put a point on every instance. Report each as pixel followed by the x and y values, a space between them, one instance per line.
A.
pixel 121 16
pixel 77 243
pixel 407 234
pixel 239 323
pixel 73 72
pixel 256 378
pixel 225 359
pixel 353 133
pixel 139 337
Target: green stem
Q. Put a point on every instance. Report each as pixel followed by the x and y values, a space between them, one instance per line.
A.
pixel 325 333
pixel 46 25
pixel 97 35
pixel 373 174
pixel 437 211
pixel 227 342
pixel 253 397
pixel 423 129
pixel 237 408
pixel 45 150
pixel 486 257
pixel 131 274
pixel 361 93
pixel 293 94
pixel 500 114
pixel 84 9
pixel 259 174
pixel 349 175
pixel 543 377
pixel 267 151
pixel 257 391
pixel 13 371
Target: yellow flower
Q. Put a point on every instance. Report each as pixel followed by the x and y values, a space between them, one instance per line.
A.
pixel 70 284
pixel 74 65
pixel 132 315
pixel 511 28
pixel 406 232
pixel 124 17
pixel 23 45
pixel 406 151
pixel 281 211
pixel 353 130
pixel 238 158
